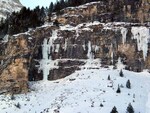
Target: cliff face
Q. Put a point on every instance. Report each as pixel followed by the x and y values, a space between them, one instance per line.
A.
pixel 129 11
pixel 8 6
pixel 51 52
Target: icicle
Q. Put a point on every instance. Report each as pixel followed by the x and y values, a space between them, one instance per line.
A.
pixel 52 39
pixel 141 34
pixel 96 48
pixel 77 33
pixel 89 54
pixel 66 41
pixel 124 33
pixel 57 48
pixel 83 47
pixel 112 54
pixel 45 49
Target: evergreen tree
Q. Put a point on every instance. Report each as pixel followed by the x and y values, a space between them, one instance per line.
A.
pixel 121 74
pixel 42 15
pixel 18 105
pixel 130 109
pixel 57 7
pixel 51 8
pixel 62 2
pixel 114 110
pixel 108 77
pixel 128 84
pixel 118 90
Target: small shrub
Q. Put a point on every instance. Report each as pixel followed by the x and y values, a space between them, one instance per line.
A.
pixel 114 110
pixel 130 109
pixel 128 84
pixel 18 105
pixel 108 77
pixel 12 97
pixel 118 90
pixel 121 74
pixel 101 105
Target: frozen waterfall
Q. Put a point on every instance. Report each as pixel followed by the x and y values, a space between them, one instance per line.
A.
pixel 142 35
pixel 47 48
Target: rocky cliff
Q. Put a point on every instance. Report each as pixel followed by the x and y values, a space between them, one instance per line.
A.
pixel 124 11
pixel 8 6
pixel 52 52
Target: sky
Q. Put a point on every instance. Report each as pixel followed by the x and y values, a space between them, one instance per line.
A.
pixel 33 3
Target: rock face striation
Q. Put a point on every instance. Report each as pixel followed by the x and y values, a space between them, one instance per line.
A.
pixel 52 52
pixel 9 6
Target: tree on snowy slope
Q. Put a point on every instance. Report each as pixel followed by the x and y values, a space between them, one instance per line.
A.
pixel 3 28
pixel 130 109
pixel 114 110
pixel 51 8
pixel 121 73
pixel 128 84
pixel 118 90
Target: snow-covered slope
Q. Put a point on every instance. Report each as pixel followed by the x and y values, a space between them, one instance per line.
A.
pixel 86 91
pixel 8 6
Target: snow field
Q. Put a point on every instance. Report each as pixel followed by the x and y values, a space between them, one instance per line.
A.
pixel 83 92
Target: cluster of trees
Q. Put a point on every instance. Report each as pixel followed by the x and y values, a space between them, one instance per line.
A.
pixel 26 18
pixel 129 109
pixel 3 27
pixel 20 21
pixel 61 4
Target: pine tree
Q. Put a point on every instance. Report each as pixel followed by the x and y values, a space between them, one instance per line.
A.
pixel 128 84
pixel 51 8
pixel 121 74
pixel 18 105
pixel 114 110
pixel 108 77
pixel 130 109
pixel 118 90
pixel 42 14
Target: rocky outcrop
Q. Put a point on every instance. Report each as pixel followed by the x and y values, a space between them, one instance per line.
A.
pixel 50 52
pixel 106 11
pixel 8 6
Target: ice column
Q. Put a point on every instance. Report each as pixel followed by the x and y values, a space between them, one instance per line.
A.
pixel 142 35
pixel 89 54
pixel 48 45
pixel 124 33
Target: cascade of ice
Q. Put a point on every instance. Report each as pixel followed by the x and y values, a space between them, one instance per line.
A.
pixel 89 54
pixel 66 41
pixel 142 35
pixel 48 45
pixel 124 33
pixel 45 49
pixel 112 54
